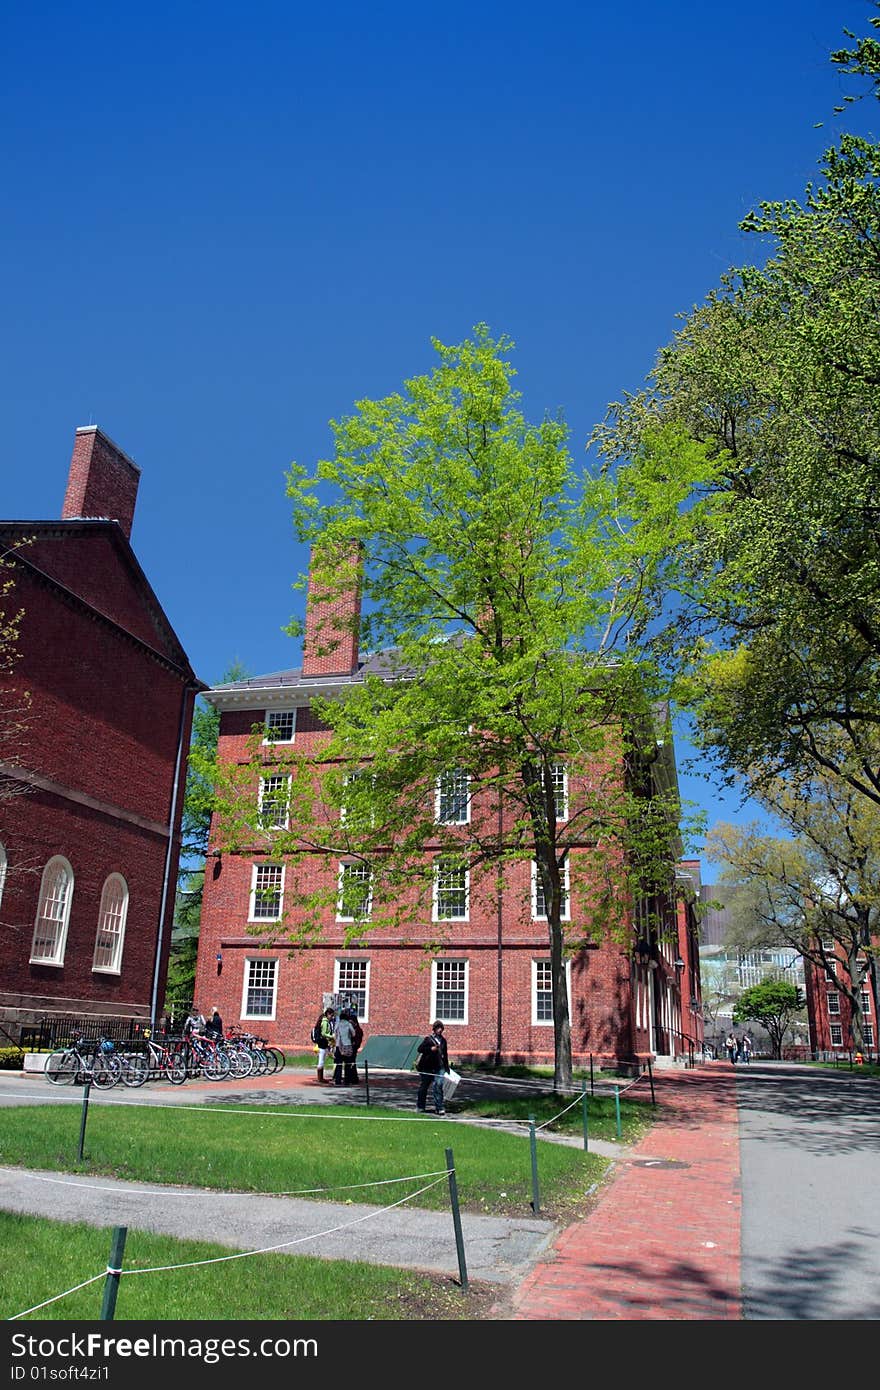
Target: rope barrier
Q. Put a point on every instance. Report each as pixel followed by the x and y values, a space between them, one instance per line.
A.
pixel 217 1192
pixel 239 1254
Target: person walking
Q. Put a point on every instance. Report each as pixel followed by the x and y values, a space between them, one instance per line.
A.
pixel 323 1035
pixel 214 1026
pixel 433 1063
pixel 746 1048
pixel 732 1046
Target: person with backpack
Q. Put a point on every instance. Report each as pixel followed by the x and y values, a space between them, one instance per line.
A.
pixel 324 1040
pixel 347 1028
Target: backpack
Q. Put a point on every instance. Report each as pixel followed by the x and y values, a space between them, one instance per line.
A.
pixel 316 1033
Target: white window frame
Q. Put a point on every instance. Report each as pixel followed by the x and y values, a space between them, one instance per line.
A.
pixel 250 961
pixel 435 1008
pixel 560 792
pixel 282 777
pixel 252 909
pixel 106 914
pixel 866 1003
pixel 545 961
pixel 365 876
pixel 832 998
pixel 339 988
pixel 456 773
pixel 566 880
pixel 869 1035
pixel 838 1029
pixel 272 715
pixel 435 908
pixel 55 865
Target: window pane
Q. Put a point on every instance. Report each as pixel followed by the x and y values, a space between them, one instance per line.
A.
pixel 267 892
pixel 452 797
pixel 274 802
pixel 452 890
pixel 543 992
pixel 450 992
pixel 260 997
pixel 52 911
pixel 111 924
pixel 540 898
pixel 280 725
pixel 354 892
pixel 353 983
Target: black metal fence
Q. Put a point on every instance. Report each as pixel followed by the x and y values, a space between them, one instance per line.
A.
pixel 58 1031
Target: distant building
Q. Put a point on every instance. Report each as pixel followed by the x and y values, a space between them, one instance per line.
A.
pixel 91 785
pixel 490 982
pixel 830 1011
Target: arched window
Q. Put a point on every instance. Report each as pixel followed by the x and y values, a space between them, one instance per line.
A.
pixel 2 871
pixel 53 913
pixel 111 926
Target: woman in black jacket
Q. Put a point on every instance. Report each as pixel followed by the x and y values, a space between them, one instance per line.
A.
pixel 433 1063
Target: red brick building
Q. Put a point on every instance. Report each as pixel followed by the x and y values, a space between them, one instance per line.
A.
pixel 490 981
pixel 829 1010
pixel 91 784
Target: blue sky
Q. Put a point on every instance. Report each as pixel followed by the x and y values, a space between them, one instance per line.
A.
pixel 224 224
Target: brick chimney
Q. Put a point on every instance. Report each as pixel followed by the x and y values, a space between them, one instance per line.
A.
pixel 102 481
pixel 333 612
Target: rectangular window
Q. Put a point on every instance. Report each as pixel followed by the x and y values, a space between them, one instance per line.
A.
pixel 866 1004
pixel 274 802
pixel 450 991
pixel 869 1035
pixel 354 901
pixel 451 891
pixel 280 725
pixel 833 1002
pixel 539 905
pixel 267 888
pixel 836 1035
pixel 559 783
pixel 453 797
pixel 353 982
pixel 542 990
pixel 260 983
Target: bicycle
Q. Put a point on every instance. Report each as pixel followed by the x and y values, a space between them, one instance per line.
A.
pixel 153 1059
pixel 87 1059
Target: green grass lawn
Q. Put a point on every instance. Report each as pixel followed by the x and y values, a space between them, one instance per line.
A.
pixel 636 1116
pixel 43 1258
pixel 312 1151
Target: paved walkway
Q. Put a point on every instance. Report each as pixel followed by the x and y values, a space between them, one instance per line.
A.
pixel 663 1242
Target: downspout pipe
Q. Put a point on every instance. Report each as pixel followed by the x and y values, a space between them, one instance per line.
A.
pixel 169 849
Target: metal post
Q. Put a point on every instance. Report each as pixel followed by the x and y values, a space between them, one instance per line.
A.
pixel 456 1219
pixel 533 1143
pixel 367 1080
pixel 114 1269
pixel 651 1079
pixel 586 1126
pixel 592 1087
pixel 85 1112
pixel 617 1109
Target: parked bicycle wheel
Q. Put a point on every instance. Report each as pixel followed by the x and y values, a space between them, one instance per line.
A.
pixel 175 1068
pixel 240 1062
pixel 62 1067
pixel 216 1066
pixel 134 1069
pixel 279 1058
pixel 105 1070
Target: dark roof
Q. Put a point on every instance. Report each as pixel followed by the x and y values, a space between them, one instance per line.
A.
pixel 384 663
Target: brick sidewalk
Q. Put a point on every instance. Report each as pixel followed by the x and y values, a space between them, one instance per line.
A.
pixel 664 1240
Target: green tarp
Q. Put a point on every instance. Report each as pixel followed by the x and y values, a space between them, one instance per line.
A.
pixel 392 1050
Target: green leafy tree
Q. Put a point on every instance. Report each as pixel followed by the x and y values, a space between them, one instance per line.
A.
pixel 504 588
pixel 773 1004
pixel 777 375
pixel 817 890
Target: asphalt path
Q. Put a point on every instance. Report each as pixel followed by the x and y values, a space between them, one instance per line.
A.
pixel 810 1166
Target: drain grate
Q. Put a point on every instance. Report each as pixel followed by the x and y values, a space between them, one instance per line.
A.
pixel 658 1163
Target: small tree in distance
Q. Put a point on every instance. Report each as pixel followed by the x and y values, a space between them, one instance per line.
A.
pixel 773 1004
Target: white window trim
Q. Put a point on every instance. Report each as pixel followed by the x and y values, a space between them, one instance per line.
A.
pixel 115 968
pixel 564 816
pixel 451 1022
pixel 61 947
pixel 542 916
pixel 545 960
pixel 839 1027
pixel 253 897
pixel 436 893
pixel 835 995
pixel 248 961
pixel 466 819
pixel 869 1034
pixel 285 822
pixel 337 988
pixel 288 709
pixel 354 864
